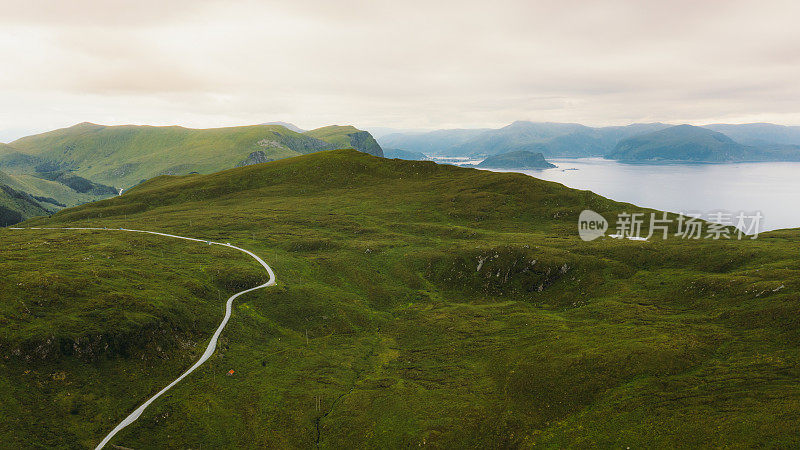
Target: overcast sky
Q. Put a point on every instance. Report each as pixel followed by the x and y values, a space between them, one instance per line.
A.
pixel 401 64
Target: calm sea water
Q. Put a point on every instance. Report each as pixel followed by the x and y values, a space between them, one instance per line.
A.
pixel 772 188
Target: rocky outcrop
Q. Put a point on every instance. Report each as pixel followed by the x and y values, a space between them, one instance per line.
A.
pixel 364 142
pixel 256 157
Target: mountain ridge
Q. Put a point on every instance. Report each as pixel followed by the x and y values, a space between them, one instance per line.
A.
pixel 568 140
pixel 124 155
pixel 17 205
pixel 553 139
pixel 680 143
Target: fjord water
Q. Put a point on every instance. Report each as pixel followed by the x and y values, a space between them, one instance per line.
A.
pixel 770 187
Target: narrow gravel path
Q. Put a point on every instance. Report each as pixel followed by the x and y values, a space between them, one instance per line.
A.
pixel 211 345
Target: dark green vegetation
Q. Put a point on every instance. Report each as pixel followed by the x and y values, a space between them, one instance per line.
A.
pixel 16 206
pixel 122 156
pixel 42 192
pixel 417 304
pixel 78 184
pixel 404 154
pixel 516 160
pixel 680 143
pixel 57 189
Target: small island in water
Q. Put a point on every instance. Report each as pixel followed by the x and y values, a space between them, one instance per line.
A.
pixel 522 159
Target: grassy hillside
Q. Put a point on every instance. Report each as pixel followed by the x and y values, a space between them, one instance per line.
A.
pixel 347 137
pixel 37 186
pixel 417 304
pixel 681 143
pixel 18 202
pixel 123 156
pixel 16 206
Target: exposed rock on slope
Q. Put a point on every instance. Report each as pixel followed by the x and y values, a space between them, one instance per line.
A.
pixel 256 157
pixel 348 137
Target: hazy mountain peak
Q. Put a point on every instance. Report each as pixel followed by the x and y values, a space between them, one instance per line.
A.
pixel 287 125
pixel 680 143
pixel 759 133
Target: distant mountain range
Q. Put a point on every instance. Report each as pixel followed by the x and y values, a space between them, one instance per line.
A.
pixel 686 143
pixel 439 142
pixel 680 143
pixel 394 153
pixel 759 133
pixel 88 162
pixel 763 142
pixel 550 139
pixel 287 125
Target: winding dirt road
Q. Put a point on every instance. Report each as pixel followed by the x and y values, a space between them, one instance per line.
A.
pixel 212 345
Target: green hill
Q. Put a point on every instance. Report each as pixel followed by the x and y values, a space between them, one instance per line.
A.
pixel 60 188
pixel 123 156
pixel 417 305
pixel 681 143
pixel 347 137
pixel 516 160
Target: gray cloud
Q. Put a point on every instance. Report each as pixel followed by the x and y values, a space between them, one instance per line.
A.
pixel 406 64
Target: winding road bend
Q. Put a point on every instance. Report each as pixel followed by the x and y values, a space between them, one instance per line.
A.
pixel 211 345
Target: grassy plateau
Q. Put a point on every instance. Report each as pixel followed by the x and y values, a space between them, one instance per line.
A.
pixel 417 305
